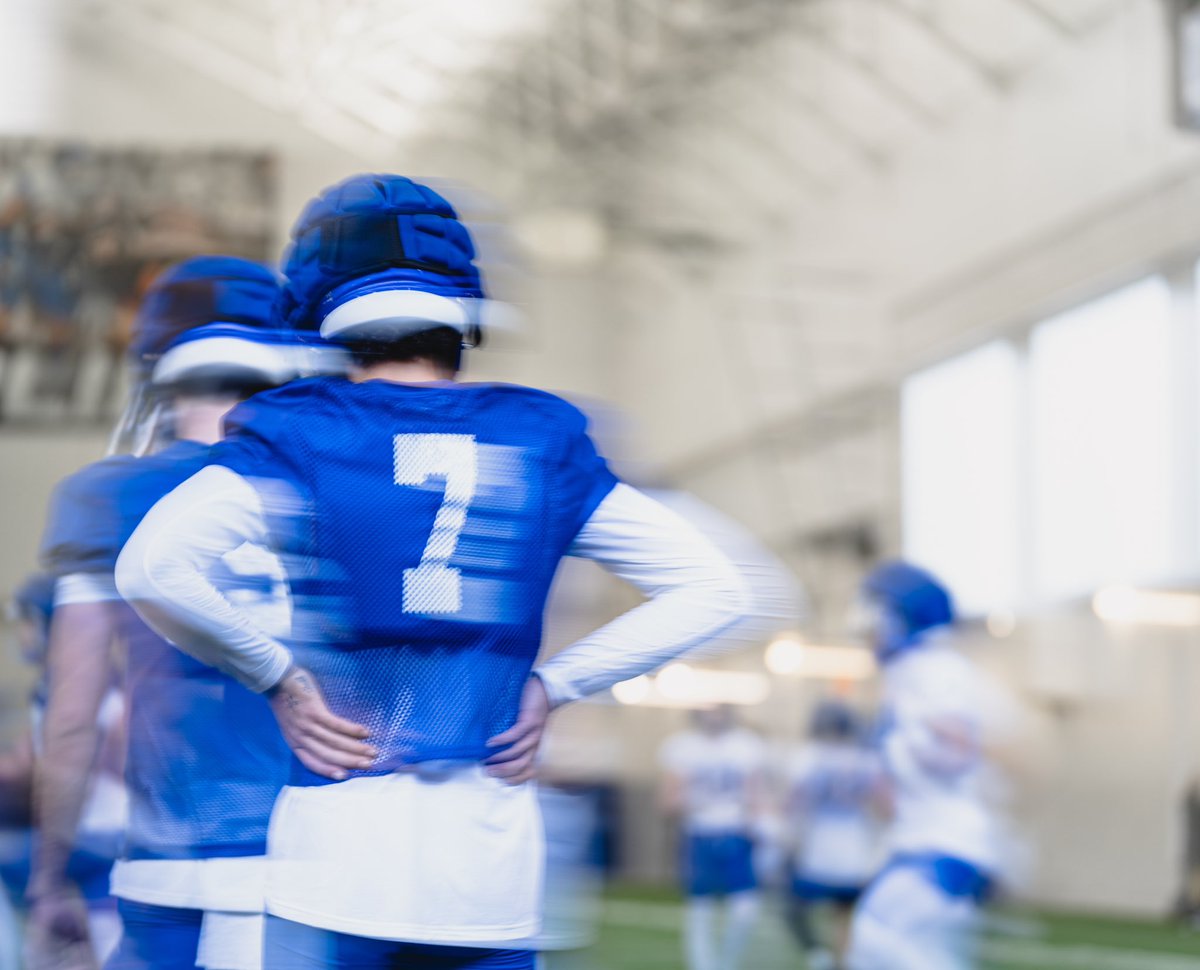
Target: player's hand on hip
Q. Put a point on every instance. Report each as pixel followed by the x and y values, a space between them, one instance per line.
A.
pixel 516 762
pixel 58 936
pixel 325 743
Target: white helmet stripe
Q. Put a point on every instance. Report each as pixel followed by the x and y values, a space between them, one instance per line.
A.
pixel 277 363
pixel 394 313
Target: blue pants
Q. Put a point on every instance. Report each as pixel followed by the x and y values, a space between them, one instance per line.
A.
pixel 810 891
pixel 156 937
pixel 294 946
pixel 718 865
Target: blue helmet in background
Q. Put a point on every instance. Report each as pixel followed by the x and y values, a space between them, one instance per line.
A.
pixel 377 258
pixel 211 317
pixel 208 324
pixel 912 602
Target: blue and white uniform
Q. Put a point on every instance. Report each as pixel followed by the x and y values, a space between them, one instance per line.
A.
pixel 423 525
pixel 205 759
pixel 921 912
pixel 718 773
pixel 832 787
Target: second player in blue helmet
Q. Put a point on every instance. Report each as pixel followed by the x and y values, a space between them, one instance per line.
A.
pixel 905 604
pixel 205 328
pixel 437 513
pixel 205 759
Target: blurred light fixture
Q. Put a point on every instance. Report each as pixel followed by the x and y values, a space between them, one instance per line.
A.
pixel 1001 624
pixel 633 691
pixel 785 655
pixel 1124 604
pixel 788 656
pixel 682 685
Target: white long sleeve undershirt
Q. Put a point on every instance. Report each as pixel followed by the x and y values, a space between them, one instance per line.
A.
pixel 696 593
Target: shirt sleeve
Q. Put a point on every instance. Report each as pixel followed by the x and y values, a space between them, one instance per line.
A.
pixel 163 573
pixel 696 594
pixel 85 588
pixel 80 535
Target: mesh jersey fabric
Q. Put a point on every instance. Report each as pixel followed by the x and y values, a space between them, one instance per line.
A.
pixel 205 759
pixel 434 518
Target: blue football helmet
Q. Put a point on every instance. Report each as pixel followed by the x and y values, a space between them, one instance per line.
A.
pixel 208 324
pixel 377 258
pixel 908 602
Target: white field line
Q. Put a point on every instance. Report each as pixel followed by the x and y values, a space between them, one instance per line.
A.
pixel 665 917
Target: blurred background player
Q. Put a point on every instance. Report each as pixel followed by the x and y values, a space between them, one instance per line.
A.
pixel 921 911
pixel 205 759
pixel 714 783
pixel 104 810
pixel 835 797
pixel 437 516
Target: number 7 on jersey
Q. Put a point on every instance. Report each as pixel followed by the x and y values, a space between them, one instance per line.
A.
pixel 434 586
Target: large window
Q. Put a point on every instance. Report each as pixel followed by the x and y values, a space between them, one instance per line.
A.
pixel 1100 382
pixel 1046 469
pixel 961 464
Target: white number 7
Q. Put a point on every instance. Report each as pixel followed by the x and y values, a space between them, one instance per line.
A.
pixel 433 586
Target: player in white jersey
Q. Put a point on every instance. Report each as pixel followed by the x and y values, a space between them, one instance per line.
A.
pixel 714 782
pixel 920 913
pixel 836 795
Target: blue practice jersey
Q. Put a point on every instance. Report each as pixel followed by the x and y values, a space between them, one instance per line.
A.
pixel 205 757
pixel 435 518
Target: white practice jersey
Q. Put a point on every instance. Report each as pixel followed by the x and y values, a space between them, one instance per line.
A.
pixel 939 713
pixel 832 791
pixel 718 772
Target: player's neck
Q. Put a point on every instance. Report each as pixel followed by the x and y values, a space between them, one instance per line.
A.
pixel 201 418
pixel 401 372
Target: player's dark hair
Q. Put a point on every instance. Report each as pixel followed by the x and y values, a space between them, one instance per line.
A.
pixel 442 346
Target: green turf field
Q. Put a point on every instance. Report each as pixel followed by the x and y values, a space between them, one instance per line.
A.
pixel 640 931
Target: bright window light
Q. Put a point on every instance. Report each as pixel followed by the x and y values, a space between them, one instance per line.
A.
pixel 960 467
pixel 1101 442
pixel 1124 604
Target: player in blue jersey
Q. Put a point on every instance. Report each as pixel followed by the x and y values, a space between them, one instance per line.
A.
pixel 945 842
pixel 205 759
pixel 433 517
pixel 836 795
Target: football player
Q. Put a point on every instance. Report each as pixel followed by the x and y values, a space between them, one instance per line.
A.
pixel 205 758
pixel 919 913
pixel 435 514
pixel 714 782
pixel 836 796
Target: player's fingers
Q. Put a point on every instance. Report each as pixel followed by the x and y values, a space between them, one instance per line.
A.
pixel 515 772
pixel 341 742
pixel 318 766
pixel 340 724
pixel 517 749
pixel 514 733
pixel 335 756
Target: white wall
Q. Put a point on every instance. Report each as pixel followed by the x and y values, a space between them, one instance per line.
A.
pixel 1035 198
